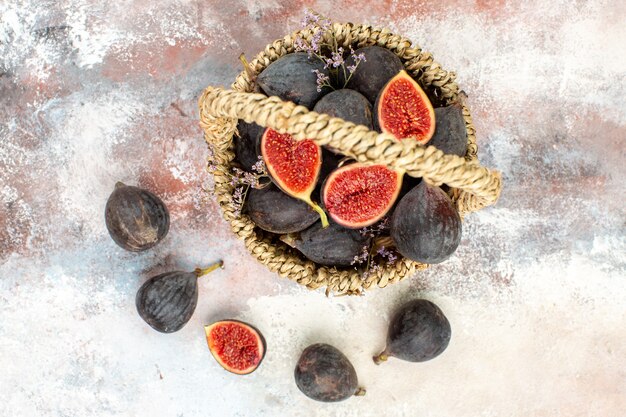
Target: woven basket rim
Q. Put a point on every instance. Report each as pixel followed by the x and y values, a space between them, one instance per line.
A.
pixel 219 132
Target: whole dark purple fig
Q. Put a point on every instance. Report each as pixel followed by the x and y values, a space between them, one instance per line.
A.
pixel 167 301
pixel 323 373
pixel 291 78
pixel 274 211
pixel 247 141
pixel 418 332
pixel 371 75
pixel 135 218
pixel 349 105
pixel 334 245
pixel 450 133
pixel 425 225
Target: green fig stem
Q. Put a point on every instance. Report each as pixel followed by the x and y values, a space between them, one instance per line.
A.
pixel 321 212
pixel 119 184
pixel 360 391
pixel 382 357
pixel 200 272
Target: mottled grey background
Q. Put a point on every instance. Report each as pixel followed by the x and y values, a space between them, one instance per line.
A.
pixel 96 92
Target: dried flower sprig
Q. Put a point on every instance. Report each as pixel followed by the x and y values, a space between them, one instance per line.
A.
pixel 242 180
pixel 376 229
pixel 330 53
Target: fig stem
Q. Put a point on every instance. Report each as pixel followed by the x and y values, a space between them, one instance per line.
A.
pixel 200 272
pixel 382 357
pixel 119 184
pixel 289 240
pixel 246 67
pixel 360 391
pixel 321 212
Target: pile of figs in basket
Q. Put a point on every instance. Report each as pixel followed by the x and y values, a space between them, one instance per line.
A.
pixel 319 202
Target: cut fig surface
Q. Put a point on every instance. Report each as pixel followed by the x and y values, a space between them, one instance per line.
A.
pixel 358 195
pixel 403 109
pixel 236 346
pixel 293 165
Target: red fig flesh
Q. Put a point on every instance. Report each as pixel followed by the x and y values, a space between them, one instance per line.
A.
pixel 359 195
pixel 236 346
pixel 293 165
pixel 403 109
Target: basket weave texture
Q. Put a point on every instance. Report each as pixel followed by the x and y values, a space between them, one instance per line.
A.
pixel 472 186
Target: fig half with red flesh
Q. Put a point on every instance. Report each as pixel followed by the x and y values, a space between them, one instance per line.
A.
pixel 293 165
pixel 358 195
pixel 236 346
pixel 403 109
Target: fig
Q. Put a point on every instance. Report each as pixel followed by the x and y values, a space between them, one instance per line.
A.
pixel 425 225
pixel 403 109
pixel 167 301
pixel 276 212
pixel 247 142
pixel 348 105
pixel 331 246
pixel 450 134
pixel 358 195
pixel 237 346
pixel 418 332
pixel 293 165
pixel 323 373
pixel 135 218
pixel 371 75
pixel 292 77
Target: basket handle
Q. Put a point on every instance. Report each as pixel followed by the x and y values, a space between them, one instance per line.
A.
pixel 479 186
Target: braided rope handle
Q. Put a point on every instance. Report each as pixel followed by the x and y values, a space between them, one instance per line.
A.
pixel 481 185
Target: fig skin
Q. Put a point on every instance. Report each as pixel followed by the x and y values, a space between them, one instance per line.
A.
pixel 371 75
pixel 291 78
pixel 334 245
pixel 274 211
pixel 167 301
pixel 247 144
pixel 325 374
pixel 330 162
pixel 348 105
pixel 136 218
pixel 425 225
pixel 418 332
pixel 450 133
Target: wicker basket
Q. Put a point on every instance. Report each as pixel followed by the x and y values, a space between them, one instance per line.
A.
pixel 472 186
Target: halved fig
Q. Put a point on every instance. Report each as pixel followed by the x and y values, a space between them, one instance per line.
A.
pixel 358 195
pixel 293 165
pixel 236 346
pixel 403 109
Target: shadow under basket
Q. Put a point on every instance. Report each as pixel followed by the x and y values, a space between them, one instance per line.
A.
pixel 472 186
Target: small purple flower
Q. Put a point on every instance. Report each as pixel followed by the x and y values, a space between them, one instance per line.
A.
pixel 322 79
pixel 259 166
pixel 363 257
pixel 238 198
